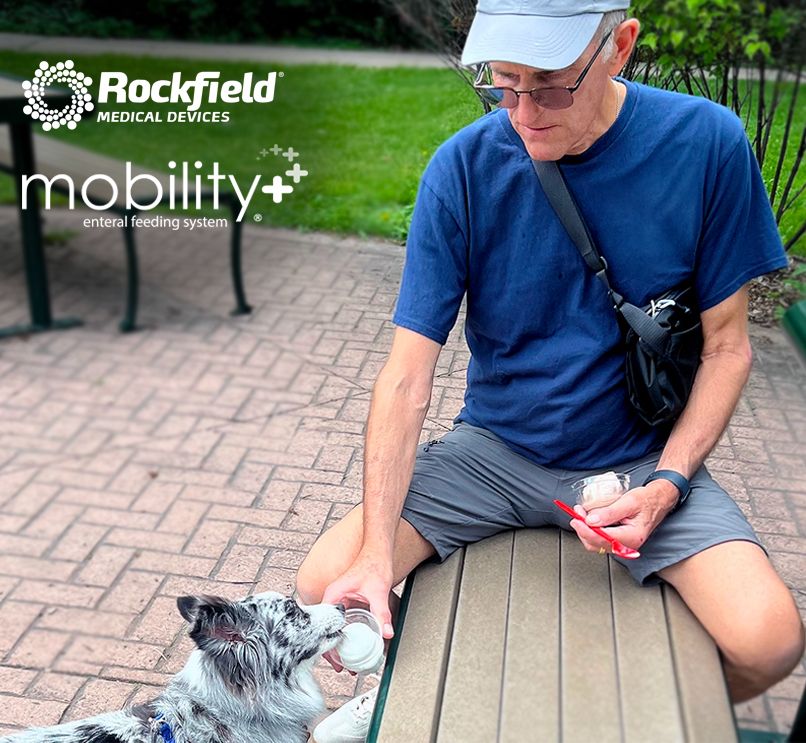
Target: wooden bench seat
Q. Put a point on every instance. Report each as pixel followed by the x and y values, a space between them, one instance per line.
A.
pixel 525 636
pixel 54 157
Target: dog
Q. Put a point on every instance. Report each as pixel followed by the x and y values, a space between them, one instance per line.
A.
pixel 249 680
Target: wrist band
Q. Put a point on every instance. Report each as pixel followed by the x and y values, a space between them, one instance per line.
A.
pixel 680 482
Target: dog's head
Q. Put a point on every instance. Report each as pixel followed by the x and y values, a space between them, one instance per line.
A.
pixel 262 638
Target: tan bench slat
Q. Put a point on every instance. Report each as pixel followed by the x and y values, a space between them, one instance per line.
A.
pixel 53 157
pixel 530 708
pixel 423 654
pixel 590 704
pixel 649 701
pixel 528 601
pixel 472 698
pixel 707 714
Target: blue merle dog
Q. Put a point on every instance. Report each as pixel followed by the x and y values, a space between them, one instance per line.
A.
pixel 249 680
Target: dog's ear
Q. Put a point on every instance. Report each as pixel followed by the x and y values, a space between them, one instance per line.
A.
pixel 188 607
pixel 219 628
pixel 215 622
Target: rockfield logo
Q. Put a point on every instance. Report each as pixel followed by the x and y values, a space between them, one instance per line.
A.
pixel 205 88
pixel 60 73
pixel 177 90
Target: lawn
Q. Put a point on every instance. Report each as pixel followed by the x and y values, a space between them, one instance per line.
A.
pixel 364 135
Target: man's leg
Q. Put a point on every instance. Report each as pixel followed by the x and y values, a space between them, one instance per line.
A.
pixel 450 499
pixel 453 499
pixel 744 605
pixel 338 547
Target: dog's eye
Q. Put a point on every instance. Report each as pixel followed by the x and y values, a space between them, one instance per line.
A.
pixel 295 613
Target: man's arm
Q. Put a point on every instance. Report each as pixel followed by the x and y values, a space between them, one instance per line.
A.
pixel 726 361
pixel 400 400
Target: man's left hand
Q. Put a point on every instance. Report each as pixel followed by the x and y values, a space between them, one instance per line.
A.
pixel 630 519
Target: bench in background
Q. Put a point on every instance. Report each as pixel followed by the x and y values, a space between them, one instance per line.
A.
pixel 53 157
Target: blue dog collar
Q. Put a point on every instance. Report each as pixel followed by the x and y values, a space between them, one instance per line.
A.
pixel 164 729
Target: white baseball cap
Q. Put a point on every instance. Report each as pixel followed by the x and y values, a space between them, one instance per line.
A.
pixel 546 34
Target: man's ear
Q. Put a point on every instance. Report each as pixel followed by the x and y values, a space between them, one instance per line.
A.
pixel 625 37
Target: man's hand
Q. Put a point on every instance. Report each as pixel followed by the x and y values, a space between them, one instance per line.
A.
pixel 367 582
pixel 630 519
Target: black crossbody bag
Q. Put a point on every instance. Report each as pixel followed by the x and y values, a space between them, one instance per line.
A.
pixel 663 341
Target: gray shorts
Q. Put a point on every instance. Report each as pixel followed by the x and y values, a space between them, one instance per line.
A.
pixel 469 485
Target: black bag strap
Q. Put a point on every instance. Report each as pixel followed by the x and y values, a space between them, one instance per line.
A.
pixel 561 200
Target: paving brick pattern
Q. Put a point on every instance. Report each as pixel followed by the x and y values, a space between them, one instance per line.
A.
pixel 207 453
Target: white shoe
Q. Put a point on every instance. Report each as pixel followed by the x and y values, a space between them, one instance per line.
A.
pixel 349 723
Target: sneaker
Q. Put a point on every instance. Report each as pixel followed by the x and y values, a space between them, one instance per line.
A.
pixel 349 723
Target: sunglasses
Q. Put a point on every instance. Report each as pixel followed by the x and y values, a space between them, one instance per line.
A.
pixel 553 98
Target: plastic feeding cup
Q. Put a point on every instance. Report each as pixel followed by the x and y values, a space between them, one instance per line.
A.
pixel 361 649
pixel 598 491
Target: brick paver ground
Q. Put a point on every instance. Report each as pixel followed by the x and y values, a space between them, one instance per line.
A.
pixel 207 453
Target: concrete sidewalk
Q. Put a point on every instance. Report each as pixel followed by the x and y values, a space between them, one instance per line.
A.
pixel 198 50
pixel 207 453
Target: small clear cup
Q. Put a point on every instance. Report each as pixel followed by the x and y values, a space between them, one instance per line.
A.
pixel 600 490
pixel 361 649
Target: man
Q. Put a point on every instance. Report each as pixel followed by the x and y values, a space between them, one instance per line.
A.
pixel 671 192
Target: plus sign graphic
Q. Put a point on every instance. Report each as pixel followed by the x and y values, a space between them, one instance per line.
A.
pixel 263 152
pixel 277 189
pixel 276 149
pixel 296 173
pixel 290 154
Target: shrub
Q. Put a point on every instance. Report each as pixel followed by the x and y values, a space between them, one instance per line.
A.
pixel 353 22
pixel 721 49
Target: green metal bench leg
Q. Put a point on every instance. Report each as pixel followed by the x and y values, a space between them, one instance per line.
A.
pixel 36 275
pixel 796 735
pixel 798 732
pixel 129 321
pixel 241 305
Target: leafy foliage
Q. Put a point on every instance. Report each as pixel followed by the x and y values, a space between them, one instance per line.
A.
pixel 702 33
pixel 720 49
pixel 349 22
pixel 724 50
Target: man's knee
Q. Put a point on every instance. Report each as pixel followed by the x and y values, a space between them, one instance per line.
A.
pixel 767 644
pixel 329 557
pixel 336 549
pixel 310 585
pixel 316 573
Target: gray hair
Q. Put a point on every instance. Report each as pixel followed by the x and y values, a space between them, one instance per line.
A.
pixel 609 22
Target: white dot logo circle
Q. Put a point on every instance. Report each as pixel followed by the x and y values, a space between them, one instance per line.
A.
pixel 64 75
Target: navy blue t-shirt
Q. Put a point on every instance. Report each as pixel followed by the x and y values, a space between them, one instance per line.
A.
pixel 670 192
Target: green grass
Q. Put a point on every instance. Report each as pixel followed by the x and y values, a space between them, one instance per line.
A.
pixel 364 135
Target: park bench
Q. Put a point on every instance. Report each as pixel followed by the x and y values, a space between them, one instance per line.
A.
pixel 53 157
pixel 794 323
pixel 525 636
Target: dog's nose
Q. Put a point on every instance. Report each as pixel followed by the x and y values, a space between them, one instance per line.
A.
pixel 341 608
